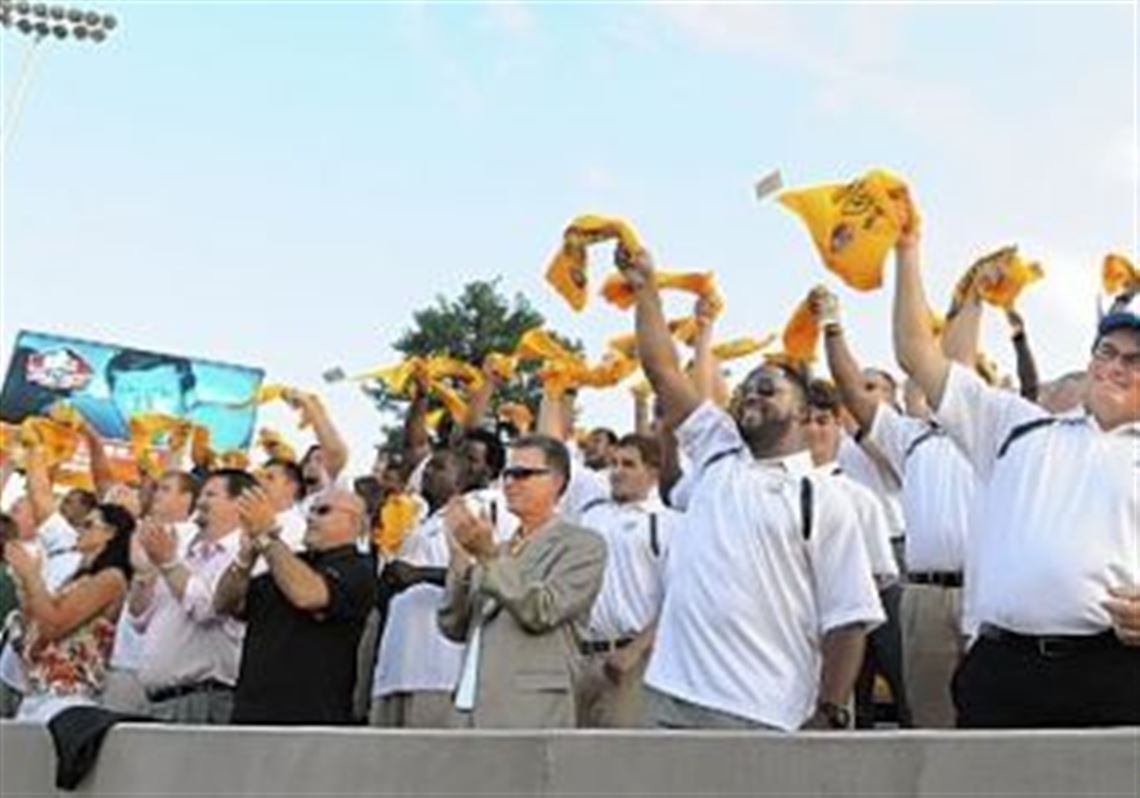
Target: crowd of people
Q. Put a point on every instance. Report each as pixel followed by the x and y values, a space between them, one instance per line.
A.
pixel 797 551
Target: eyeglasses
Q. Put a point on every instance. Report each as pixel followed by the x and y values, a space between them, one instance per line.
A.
pixel 321 510
pixel 1106 353
pixel 523 472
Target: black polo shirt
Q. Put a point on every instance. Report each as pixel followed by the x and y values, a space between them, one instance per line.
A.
pixel 299 667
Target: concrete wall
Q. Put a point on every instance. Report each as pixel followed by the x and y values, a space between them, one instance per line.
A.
pixel 173 761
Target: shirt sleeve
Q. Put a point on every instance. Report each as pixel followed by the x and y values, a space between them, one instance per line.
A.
pixel 892 434
pixel 198 597
pixel 56 535
pixel 706 434
pixel 980 418
pixel 352 589
pixel 876 532
pixel 845 592
pixel 585 487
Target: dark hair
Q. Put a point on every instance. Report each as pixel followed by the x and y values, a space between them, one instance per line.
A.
pixel 554 452
pixel 292 473
pixel 316 447
pixel 237 481
pixel 137 360
pixel 823 395
pixel 369 489
pixel 9 530
pixel 496 454
pixel 187 482
pixel 649 448
pixel 88 498
pixel 610 436
pixel 117 552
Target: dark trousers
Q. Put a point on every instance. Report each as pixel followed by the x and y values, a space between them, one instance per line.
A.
pixel 883 656
pixel 999 685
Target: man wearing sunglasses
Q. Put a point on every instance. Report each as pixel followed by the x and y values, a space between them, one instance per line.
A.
pixel 521 607
pixel 1051 574
pixel 305 616
pixel 769 591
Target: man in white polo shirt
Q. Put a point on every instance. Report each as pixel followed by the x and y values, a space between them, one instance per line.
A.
pixel 883 644
pixel 1053 563
pixel 937 494
pixel 637 529
pixel 768 593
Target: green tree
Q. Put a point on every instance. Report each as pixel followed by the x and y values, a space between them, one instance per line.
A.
pixel 480 321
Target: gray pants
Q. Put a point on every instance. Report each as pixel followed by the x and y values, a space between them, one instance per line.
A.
pixel 932 646
pixel 211 706
pixel 668 712
pixel 123 693
pixel 10 699
pixel 604 704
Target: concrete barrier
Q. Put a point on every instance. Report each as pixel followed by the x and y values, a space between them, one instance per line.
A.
pixel 234 761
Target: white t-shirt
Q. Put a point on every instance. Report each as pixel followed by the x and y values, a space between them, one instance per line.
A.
pixel 1056 523
pixel 872 523
pixel 413 654
pixel 875 476
pixel 748 599
pixel 293 526
pixel 937 488
pixel 586 488
pixel 636 552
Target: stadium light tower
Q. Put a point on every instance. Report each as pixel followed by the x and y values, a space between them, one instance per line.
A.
pixel 39 22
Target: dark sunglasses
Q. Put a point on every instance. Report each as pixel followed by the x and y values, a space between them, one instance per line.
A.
pixel 523 472
pixel 325 509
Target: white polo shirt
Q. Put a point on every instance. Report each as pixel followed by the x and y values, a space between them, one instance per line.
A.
pixel 413 654
pixel 748 599
pixel 872 523
pixel 876 477
pixel 585 488
pixel 636 550
pixel 1058 515
pixel 937 488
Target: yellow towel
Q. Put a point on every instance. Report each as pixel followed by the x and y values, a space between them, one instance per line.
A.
pixel 398 517
pixel 801 335
pixel 567 269
pixel 1119 275
pixel 501 365
pixel 618 291
pixel 274 446
pixel 1014 275
pixel 854 225
pixel 741 347
pixel 518 415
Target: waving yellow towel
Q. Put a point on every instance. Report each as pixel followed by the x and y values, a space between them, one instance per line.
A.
pixel 618 291
pixel 148 430
pixel 1119 275
pixel 274 446
pixel 854 225
pixel 1013 275
pixel 518 415
pixel 567 270
pixel 741 347
pixel 398 516
pixel 801 335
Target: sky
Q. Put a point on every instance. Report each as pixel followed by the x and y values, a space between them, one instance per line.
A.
pixel 280 184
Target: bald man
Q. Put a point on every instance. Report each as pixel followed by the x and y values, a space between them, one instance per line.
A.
pixel 305 615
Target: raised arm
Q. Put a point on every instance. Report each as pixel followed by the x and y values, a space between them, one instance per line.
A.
pixel 916 348
pixel 845 369
pixel 705 364
pixel 1027 377
pixel 332 445
pixel 655 345
pixel 100 464
pixel 963 329
pixel 481 397
pixel 38 485
pixel 417 442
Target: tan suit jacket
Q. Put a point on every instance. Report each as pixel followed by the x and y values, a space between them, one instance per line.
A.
pixel 534 609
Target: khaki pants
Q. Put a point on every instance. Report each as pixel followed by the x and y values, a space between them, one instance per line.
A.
pixel 427 709
pixel 604 704
pixel 932 646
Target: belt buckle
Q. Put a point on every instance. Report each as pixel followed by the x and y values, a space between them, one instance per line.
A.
pixel 1050 648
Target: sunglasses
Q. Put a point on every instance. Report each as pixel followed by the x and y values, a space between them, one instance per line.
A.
pixel 523 472
pixel 321 510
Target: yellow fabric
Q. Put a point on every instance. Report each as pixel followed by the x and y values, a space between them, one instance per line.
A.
pixel 567 269
pixel 148 430
pixel 618 291
pixel 1014 275
pixel 233 458
pixel 1119 275
pixel 641 388
pixel 626 344
pixel 57 442
pixel 854 225
pixel 201 454
pixel 502 366
pixel 741 347
pixel 437 370
pixel 613 368
pixel 801 335
pixel 685 329
pixel 539 344
pixel 518 415
pixel 397 518
pixel 274 446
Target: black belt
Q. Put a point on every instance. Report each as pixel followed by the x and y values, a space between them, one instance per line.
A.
pixel 208 686
pixel 939 578
pixel 1050 645
pixel 588 647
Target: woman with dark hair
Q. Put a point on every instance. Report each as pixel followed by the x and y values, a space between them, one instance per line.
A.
pixel 65 638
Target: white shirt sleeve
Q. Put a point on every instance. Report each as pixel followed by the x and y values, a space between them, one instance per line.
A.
pixel 980 418
pixel 706 434
pixel 56 534
pixel 876 532
pixel 845 592
pixel 892 433
pixel 585 487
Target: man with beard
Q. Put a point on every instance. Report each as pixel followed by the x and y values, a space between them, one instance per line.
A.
pixel 770 593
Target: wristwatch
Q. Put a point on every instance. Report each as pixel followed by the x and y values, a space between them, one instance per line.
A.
pixel 838 716
pixel 263 542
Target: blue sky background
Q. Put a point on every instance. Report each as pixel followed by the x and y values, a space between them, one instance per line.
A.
pixel 281 184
